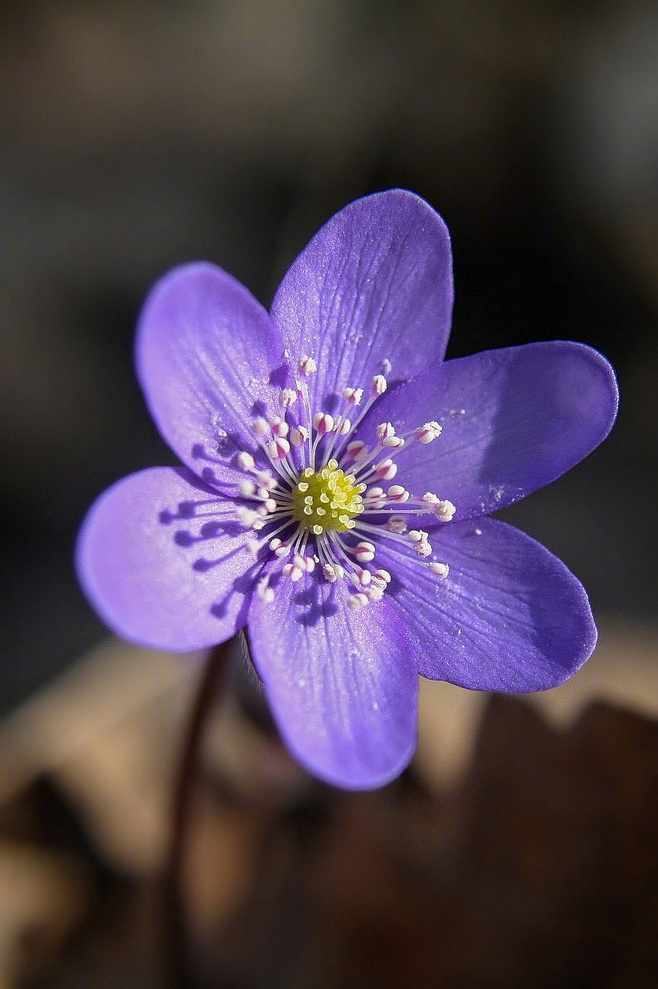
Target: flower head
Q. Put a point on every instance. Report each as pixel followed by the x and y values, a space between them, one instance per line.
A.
pixel 337 481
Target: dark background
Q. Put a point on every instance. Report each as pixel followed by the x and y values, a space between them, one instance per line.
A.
pixel 138 135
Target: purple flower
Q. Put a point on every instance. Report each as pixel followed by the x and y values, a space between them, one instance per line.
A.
pixel 337 482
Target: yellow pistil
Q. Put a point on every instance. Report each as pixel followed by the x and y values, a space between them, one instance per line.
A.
pixel 327 500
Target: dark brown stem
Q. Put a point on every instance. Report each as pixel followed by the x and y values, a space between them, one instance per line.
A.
pixel 177 947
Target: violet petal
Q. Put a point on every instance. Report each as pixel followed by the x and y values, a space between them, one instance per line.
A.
pixel 513 420
pixel 373 285
pixel 162 563
pixel 340 684
pixel 510 616
pixel 205 352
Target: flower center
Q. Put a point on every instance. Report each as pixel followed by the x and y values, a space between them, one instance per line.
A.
pixel 327 500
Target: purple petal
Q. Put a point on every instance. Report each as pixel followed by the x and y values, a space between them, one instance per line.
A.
pixel 163 563
pixel 508 617
pixel 206 351
pixel 374 285
pixel 513 420
pixel 341 687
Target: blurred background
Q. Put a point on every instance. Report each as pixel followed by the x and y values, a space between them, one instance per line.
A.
pixel 138 135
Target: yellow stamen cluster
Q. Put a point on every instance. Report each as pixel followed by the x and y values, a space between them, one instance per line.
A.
pixel 327 500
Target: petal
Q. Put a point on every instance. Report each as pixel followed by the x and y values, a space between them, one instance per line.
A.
pixel 206 351
pixel 374 285
pixel 510 616
pixel 340 684
pixel 163 562
pixel 513 420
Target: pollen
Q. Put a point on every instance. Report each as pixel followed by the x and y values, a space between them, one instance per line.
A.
pixel 327 499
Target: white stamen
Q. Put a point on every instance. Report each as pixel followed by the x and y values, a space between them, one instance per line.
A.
pixel 299 435
pixel 397 493
pixel 386 470
pixel 355 601
pixel 260 427
pixel 266 480
pixel 333 572
pixel 384 431
pixel 444 511
pixel 364 552
pixel 245 461
pixel 307 366
pixel 278 448
pixel 355 449
pixel 423 550
pixel 379 385
pixel 323 422
pixel 279 426
pixel 287 397
pixel 428 432
pixel 247 488
pixel 396 524
pixel 353 395
pixel 295 573
pixel 263 591
pixel 440 569
pixel 382 575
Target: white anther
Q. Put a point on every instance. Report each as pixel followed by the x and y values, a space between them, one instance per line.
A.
pixel 374 492
pixel 263 591
pixel 396 524
pixel 383 575
pixel 295 573
pixel 423 550
pixel 364 552
pixel 278 448
pixel 353 395
pixel 440 569
pixel 307 366
pixel 279 426
pixel 393 442
pixel 355 449
pixel 333 572
pixel 304 563
pixel 266 480
pixel 428 431
pixel 252 546
pixel 249 517
pixel 245 461
pixel 386 470
pixel 247 488
pixel 287 397
pixel 444 511
pixel 385 430
pixel 323 422
pixel 345 427
pixel 397 493
pixel 260 426
pixel 360 577
pixel 416 535
pixel 355 601
pixel 299 435
pixel 379 385
pixel 375 592
pixel 269 505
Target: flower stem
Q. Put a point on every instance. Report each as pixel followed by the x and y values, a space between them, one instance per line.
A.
pixel 177 948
